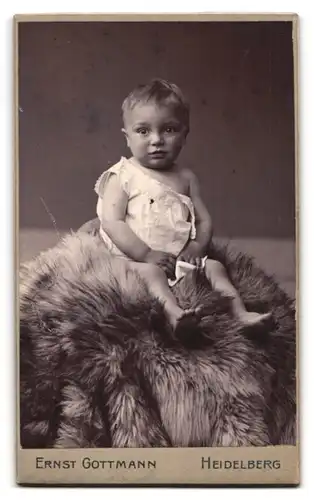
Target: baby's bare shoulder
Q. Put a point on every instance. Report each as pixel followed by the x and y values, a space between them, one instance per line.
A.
pixel 188 175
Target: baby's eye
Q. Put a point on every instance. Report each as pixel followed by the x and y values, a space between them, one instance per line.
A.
pixel 142 131
pixel 170 130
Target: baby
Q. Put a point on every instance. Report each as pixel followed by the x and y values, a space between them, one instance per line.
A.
pixel 150 208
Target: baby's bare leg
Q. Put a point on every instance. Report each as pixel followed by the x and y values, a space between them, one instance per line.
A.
pixel 217 275
pixel 157 283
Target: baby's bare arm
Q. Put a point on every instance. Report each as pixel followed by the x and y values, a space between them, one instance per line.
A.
pixel 114 206
pixel 204 228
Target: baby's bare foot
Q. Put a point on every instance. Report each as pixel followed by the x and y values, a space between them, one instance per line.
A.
pixel 184 316
pixel 254 318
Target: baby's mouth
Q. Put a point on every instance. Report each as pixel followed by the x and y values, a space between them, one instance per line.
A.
pixel 157 154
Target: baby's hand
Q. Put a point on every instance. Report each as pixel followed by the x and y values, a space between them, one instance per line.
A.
pixel 164 260
pixel 192 253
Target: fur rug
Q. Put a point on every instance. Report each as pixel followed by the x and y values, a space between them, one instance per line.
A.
pixel 99 367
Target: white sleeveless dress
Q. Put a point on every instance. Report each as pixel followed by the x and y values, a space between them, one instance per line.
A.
pixel 158 215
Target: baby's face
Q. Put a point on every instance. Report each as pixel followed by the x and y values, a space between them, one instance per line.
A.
pixel 154 134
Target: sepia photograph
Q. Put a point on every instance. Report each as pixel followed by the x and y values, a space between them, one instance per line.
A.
pixel 156 233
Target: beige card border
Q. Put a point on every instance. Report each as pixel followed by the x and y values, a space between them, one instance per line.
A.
pixel 145 17
pixel 163 466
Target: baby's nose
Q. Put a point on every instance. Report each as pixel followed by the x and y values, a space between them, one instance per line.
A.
pixel 156 139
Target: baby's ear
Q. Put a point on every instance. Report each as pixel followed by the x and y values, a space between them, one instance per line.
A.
pixel 124 132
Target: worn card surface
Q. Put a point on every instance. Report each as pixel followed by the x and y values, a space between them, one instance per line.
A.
pixel 123 377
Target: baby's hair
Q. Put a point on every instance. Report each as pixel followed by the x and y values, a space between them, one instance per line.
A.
pixel 161 92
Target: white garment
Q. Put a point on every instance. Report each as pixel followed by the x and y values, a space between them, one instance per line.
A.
pixel 182 268
pixel 158 215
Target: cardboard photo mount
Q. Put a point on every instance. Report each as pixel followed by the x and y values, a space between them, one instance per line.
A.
pixel 203 466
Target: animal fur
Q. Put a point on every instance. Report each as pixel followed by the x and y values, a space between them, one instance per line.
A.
pixel 99 366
